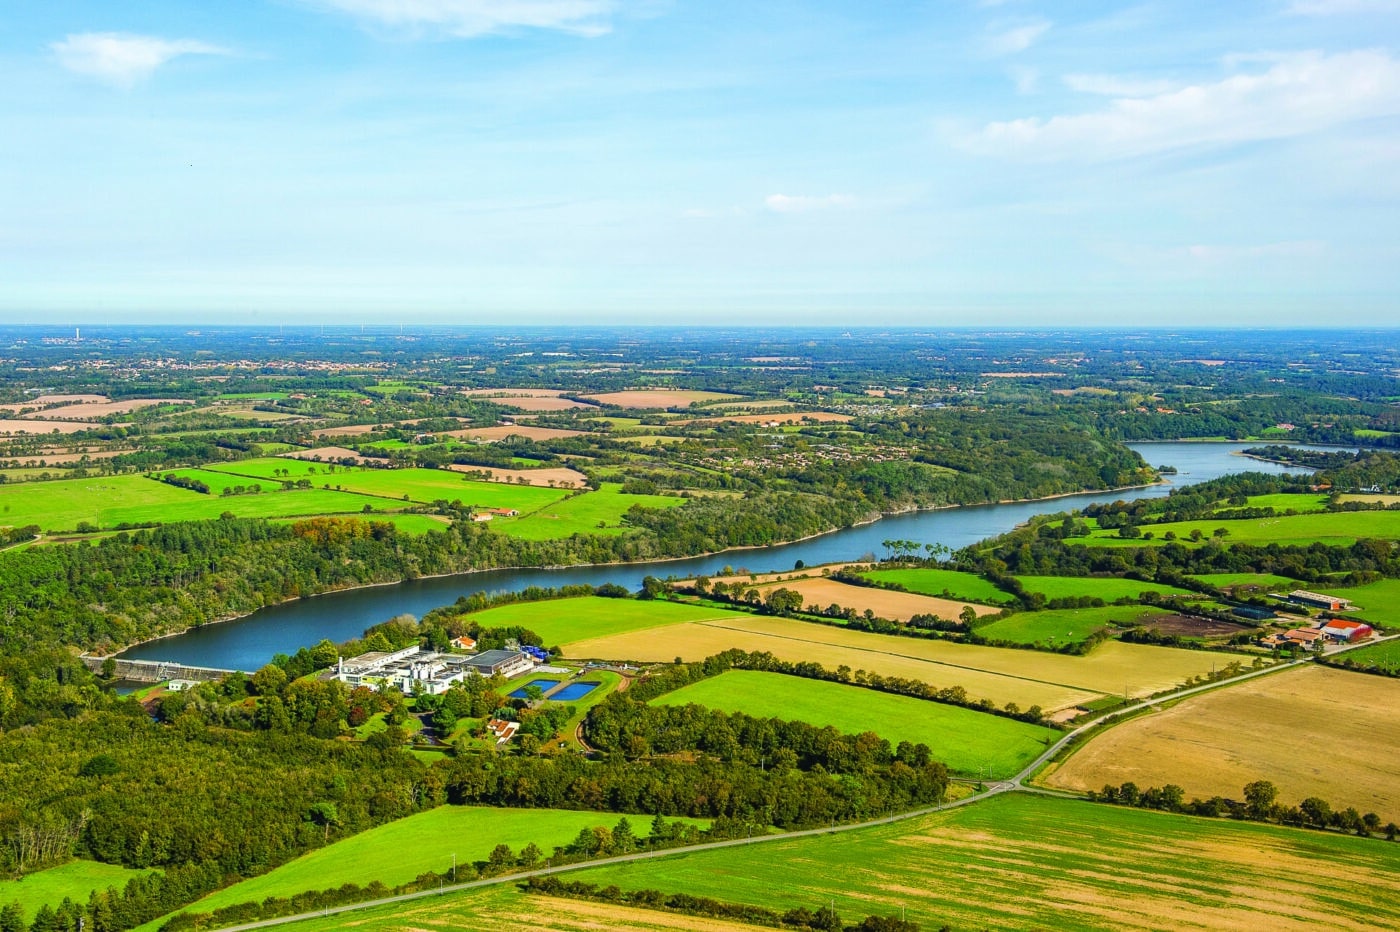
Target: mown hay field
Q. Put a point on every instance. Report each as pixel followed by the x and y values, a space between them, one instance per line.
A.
pixel 13 426
pixel 968 742
pixel 696 641
pixel 503 431
pixel 791 417
pixel 1023 862
pixel 649 398
pixel 553 477
pixel 1051 681
pixel 885 603
pixel 1311 731
pixel 504 909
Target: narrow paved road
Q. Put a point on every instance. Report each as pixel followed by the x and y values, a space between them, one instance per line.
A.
pixel 1014 784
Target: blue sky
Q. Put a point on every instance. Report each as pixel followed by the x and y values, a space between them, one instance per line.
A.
pixel 488 161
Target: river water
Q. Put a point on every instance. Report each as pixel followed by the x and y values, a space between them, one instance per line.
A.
pixel 248 643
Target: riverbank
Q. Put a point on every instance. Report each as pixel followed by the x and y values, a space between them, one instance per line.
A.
pixel 310 599
pixel 344 613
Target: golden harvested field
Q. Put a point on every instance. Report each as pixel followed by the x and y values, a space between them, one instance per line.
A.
pixel 658 398
pixel 42 427
pixel 795 417
pixel 886 603
pixel 540 404
pixel 503 909
pixel 697 640
pixel 1051 681
pixel 1373 499
pixel 46 401
pixel 558 477
pixel 512 392
pixel 96 409
pixel 513 430
pixel 1313 731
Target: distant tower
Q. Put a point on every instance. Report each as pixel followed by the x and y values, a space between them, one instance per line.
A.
pixel 77 334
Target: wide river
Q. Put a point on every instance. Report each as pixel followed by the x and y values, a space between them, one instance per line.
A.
pixel 248 643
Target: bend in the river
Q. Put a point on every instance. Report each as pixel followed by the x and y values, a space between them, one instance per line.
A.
pixel 248 643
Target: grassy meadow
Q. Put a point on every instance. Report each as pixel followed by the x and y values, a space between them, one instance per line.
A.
pixel 397 852
pixel 1263 580
pixel 1385 654
pixel 597 512
pixel 968 742
pixel 1333 529
pixel 945 583
pixel 1377 602
pixel 1060 626
pixel 1110 588
pixel 75 880
pixel 568 620
pixel 1014 861
pixel 107 501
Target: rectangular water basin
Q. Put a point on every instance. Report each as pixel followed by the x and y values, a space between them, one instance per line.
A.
pixel 545 685
pixel 574 691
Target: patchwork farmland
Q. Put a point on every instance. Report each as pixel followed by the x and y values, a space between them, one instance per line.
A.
pixel 1051 681
pixel 1313 731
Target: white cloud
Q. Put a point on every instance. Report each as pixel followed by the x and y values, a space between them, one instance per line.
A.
pixel 470 18
pixel 1027 80
pixel 1011 39
pixel 1298 94
pixel 802 203
pixel 1334 7
pixel 124 60
pixel 1116 86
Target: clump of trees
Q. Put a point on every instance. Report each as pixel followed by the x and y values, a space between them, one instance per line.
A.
pixel 1260 804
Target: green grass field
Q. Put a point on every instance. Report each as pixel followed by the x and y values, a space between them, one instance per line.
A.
pixel 1386 655
pixel 1015 861
pixel 1379 602
pixel 964 587
pixel 562 620
pixel 1109 589
pixel 1284 501
pixel 1265 580
pixel 1336 529
pixel 420 485
pixel 111 500
pixel 399 851
pixel 597 512
pixel 968 742
pixel 1062 625
pixel 76 880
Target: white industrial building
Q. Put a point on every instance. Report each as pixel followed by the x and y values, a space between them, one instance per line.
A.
pixel 413 669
